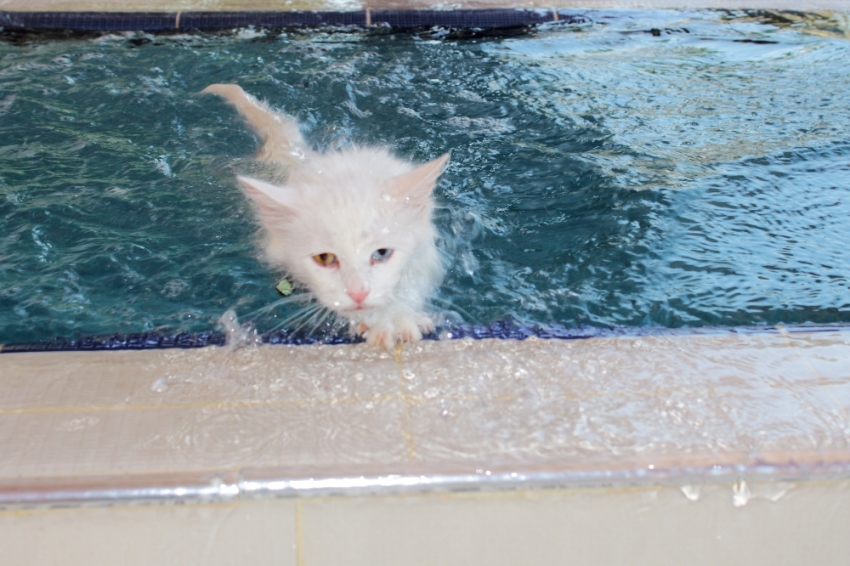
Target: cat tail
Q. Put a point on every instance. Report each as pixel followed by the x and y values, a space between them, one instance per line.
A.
pixel 281 138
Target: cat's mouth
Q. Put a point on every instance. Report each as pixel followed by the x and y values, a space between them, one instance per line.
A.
pixel 357 312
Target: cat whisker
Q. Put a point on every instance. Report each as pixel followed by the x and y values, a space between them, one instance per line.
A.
pixel 306 303
pixel 266 308
pixel 304 314
pixel 301 297
pixel 296 322
pixel 321 321
pixel 315 319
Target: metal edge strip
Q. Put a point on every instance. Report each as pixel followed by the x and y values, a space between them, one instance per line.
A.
pixel 263 484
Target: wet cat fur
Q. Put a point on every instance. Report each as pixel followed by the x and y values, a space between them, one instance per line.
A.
pixel 353 226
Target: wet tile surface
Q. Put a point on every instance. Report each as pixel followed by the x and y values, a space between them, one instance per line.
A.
pixel 436 406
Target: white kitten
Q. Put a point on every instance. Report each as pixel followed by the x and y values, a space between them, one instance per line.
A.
pixel 353 226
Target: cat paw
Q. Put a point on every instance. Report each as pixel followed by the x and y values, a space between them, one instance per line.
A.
pixel 425 325
pixel 389 332
pixel 408 331
pixel 380 337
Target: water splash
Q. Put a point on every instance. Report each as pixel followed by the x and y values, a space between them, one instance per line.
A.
pixel 160 385
pixel 772 491
pixel 237 335
pixel 692 492
pixel 741 494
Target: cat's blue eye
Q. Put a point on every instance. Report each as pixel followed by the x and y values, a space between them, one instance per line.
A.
pixel 381 255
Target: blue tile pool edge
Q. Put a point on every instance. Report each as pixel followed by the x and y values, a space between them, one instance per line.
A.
pixel 501 330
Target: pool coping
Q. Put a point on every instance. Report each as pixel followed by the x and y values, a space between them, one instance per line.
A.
pixel 500 17
pixel 108 413
pixel 222 20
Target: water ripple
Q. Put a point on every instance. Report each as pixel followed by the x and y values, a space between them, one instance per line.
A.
pixel 651 168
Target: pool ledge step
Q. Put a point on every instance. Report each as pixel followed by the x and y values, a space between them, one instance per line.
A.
pixel 488 415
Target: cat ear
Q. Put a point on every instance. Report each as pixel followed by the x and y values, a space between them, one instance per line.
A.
pixel 270 199
pixel 417 185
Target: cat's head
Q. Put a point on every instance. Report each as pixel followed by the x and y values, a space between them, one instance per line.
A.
pixel 354 227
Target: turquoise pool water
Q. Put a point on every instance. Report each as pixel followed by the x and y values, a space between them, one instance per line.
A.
pixel 646 169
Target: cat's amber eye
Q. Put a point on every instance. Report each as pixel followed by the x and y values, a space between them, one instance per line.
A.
pixel 325 259
pixel 381 255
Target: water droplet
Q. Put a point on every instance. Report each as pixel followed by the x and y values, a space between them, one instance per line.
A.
pixel 740 494
pixel 160 385
pixel 692 492
pixel 772 491
pixel 78 424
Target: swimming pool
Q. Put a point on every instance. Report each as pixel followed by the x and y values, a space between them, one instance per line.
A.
pixel 702 444
pixel 639 169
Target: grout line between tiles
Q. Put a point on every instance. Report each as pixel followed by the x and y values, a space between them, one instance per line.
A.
pixel 407 401
pixel 299 534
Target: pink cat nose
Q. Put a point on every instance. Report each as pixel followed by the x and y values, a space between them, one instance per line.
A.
pixel 358 296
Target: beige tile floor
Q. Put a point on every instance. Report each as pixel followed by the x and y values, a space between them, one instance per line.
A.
pixel 257 532
pixel 785 525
